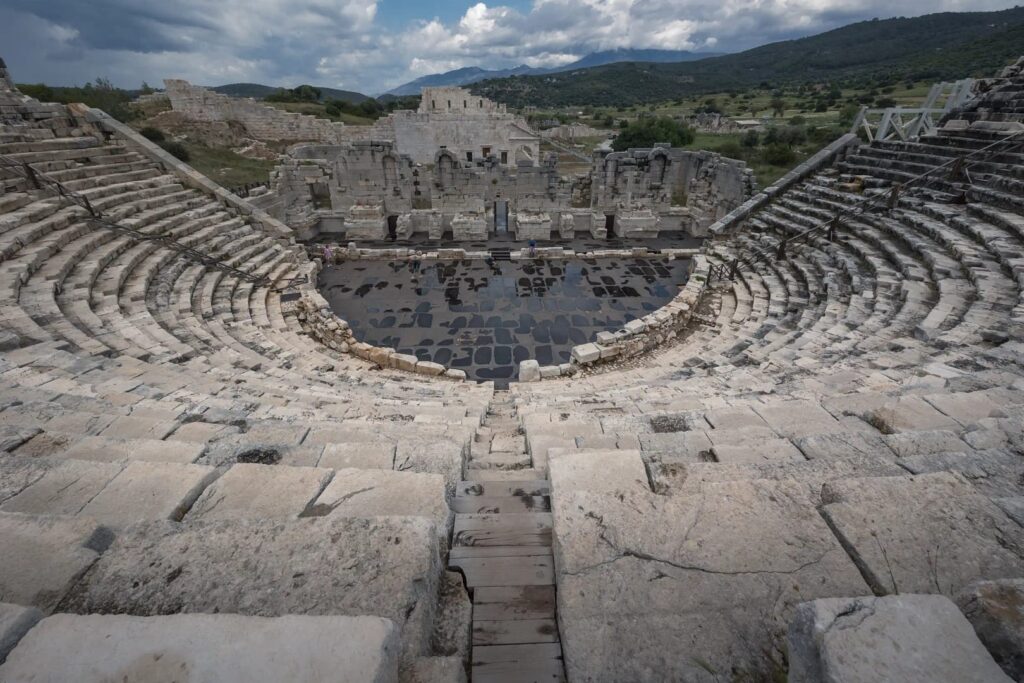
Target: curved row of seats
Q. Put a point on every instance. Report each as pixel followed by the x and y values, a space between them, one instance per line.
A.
pixel 844 419
pixel 149 398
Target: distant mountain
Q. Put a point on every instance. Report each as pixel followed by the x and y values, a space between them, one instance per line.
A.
pixel 474 74
pixel 933 47
pixel 259 91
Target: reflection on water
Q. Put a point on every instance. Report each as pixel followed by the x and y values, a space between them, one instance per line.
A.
pixel 484 317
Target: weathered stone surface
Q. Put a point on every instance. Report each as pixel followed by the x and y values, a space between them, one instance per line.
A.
pixel 586 353
pixel 147 491
pixel 599 471
pixel 104 449
pixel 382 566
pixel 370 492
pixel 453 621
pixel 928 441
pixel 12 436
pixel 43 556
pixel 677 587
pixel 15 621
pixel 839 444
pixel 128 427
pixel 734 418
pixel 201 432
pixel 529 371
pixel 907 638
pixel 65 488
pixel 966 407
pixel 435 457
pixel 924 533
pixel 260 491
pixel 438 670
pixel 757 451
pixel 206 647
pixel 797 418
pixel 359 455
pixel 996 611
pixel 995 473
pixel 18 473
pixel 908 414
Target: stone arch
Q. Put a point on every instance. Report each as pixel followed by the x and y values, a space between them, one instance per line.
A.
pixel 657 164
pixel 445 164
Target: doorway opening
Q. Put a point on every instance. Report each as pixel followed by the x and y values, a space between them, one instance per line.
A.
pixel 392 228
pixel 500 216
pixel 609 226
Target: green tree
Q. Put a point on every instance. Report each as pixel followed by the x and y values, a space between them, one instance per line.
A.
pixel 646 132
pixel 778 106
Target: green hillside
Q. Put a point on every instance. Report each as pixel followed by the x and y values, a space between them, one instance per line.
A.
pixel 259 92
pixel 932 47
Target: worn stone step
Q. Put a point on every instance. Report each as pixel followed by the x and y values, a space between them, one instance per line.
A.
pixel 501 461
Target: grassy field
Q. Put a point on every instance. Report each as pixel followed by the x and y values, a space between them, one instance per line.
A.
pixel 226 167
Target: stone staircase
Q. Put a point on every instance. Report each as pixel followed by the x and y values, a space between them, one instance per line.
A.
pixel 502 547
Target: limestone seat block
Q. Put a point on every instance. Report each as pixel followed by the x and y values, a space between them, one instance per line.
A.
pixel 260 491
pixel 667 587
pixel 923 533
pixel 382 566
pixel 43 556
pixel 149 490
pixel 227 648
pixel 907 638
pixel 603 471
pixel 372 492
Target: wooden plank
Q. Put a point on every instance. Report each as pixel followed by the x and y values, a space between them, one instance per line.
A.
pixel 536 663
pixel 516 528
pixel 501 504
pixel 514 632
pixel 504 475
pixel 536 570
pixel 513 602
pixel 497 654
pixel 532 487
pixel 462 551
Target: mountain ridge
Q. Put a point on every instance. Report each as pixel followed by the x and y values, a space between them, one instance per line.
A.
pixel 939 46
pixel 473 74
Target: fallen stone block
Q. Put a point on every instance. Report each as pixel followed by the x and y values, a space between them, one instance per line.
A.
pixel 227 648
pixel 529 371
pixel 906 638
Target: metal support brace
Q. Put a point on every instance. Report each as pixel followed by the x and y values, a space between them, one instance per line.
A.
pixel 833 227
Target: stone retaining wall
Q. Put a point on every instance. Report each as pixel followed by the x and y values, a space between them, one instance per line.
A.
pixel 353 253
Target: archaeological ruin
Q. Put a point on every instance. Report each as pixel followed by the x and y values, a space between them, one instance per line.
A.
pixel 429 408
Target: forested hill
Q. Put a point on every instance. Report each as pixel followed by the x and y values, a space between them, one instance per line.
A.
pixel 933 47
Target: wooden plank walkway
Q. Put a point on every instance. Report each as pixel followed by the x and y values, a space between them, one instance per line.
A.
pixel 502 545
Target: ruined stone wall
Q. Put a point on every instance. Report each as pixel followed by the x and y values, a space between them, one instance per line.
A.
pixel 262 121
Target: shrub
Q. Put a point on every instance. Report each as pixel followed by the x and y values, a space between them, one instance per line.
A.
pixel 152 134
pixel 648 131
pixel 750 139
pixel 177 149
pixel 778 154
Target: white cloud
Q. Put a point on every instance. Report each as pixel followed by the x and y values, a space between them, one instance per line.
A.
pixel 346 43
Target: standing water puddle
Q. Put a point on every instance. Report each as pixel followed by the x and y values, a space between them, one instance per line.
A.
pixel 485 318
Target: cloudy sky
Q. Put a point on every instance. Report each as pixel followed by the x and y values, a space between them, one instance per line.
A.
pixel 374 45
